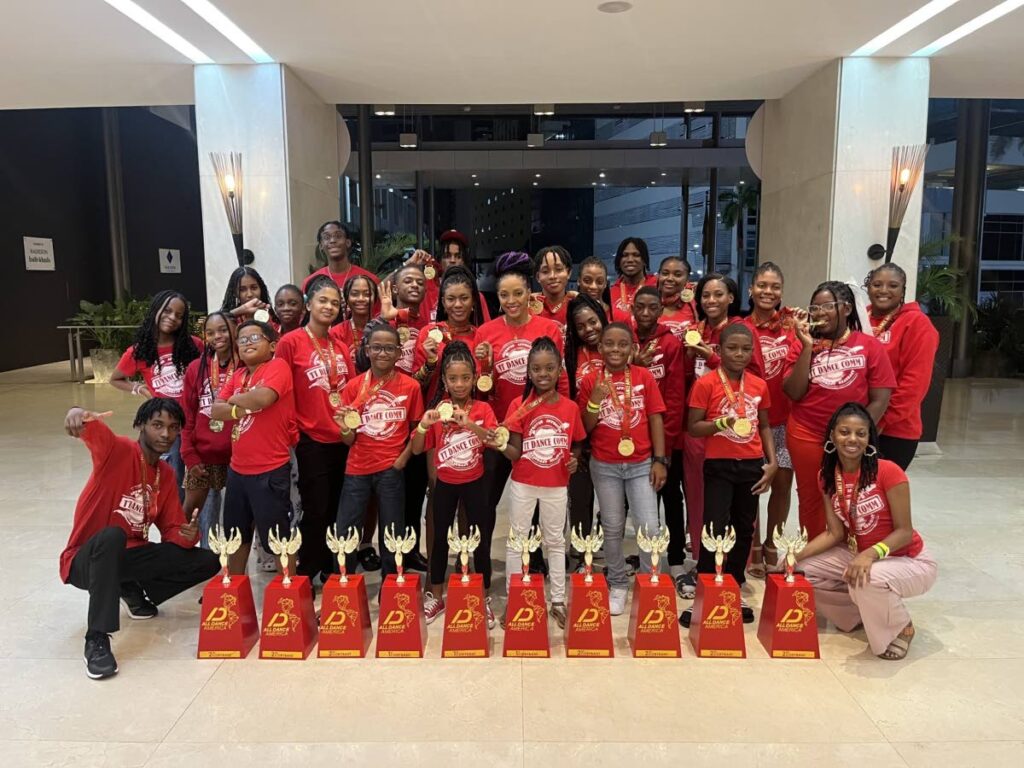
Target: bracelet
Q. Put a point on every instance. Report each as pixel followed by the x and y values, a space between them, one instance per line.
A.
pixel 593 407
pixel 421 429
pixel 721 423
pixel 881 549
pixel 345 431
pixel 234 412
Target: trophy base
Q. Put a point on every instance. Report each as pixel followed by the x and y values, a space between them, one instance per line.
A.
pixel 588 629
pixel 653 627
pixel 345 631
pixel 465 619
pixel 787 628
pixel 229 628
pixel 526 619
pixel 716 628
pixel 289 622
pixel 401 625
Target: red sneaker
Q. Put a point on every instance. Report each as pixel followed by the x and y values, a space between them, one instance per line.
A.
pixel 432 607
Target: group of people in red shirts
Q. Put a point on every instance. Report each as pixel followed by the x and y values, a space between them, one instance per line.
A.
pixel 640 394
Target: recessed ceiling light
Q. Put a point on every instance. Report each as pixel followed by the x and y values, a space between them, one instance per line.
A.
pixel 391 189
pixel 971 26
pixel 472 175
pixel 544 109
pixel 154 26
pixel 535 183
pixel 216 19
pixel 601 175
pixel 693 107
pixel 593 183
pixel 653 182
pixel 616 6
pixel 664 174
pixel 377 176
pixel 536 175
pixel 902 27
pixel 476 183
pixel 384 110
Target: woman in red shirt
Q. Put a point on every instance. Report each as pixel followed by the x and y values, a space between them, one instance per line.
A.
pixel 246 293
pixel 869 558
pixel 593 281
pixel 632 260
pixel 552 268
pixel 359 296
pixel 834 364
pixel 911 341
pixel 290 307
pixel 678 296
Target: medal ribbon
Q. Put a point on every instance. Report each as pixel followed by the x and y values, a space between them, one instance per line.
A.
pixel 739 403
pixel 885 322
pixel 823 345
pixel 149 499
pixel 330 360
pixel 215 375
pixel 366 391
pixel 526 407
pixel 848 506
pixel 626 404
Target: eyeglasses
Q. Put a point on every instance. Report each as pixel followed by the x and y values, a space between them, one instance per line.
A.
pixel 382 349
pixel 330 237
pixel 252 339
pixel 828 306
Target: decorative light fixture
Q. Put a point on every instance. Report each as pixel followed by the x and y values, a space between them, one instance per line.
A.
pixel 384 110
pixel 472 175
pixel 545 110
pixel 407 140
pixel 228 168
pixel 693 107
pixel 903 26
pixel 535 139
pixel 971 26
pixel 154 26
pixel 216 19
pixel 907 165
pixel 601 175
pixel 659 139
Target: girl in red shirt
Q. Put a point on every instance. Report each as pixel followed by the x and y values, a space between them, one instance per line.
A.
pixel 593 281
pixel 869 558
pixel 359 296
pixel 678 296
pixel 911 341
pixel 246 293
pixel 552 267
pixel 454 431
pixel 729 409
pixel 290 307
pixel 632 260
pixel 832 365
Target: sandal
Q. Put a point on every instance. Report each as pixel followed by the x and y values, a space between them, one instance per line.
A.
pixel 898 648
pixel 757 568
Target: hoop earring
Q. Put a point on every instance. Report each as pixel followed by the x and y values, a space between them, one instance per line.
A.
pixel 871 452
pixel 830 447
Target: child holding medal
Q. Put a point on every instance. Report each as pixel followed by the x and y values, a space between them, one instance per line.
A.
pixel 623 414
pixel 552 268
pixel 729 407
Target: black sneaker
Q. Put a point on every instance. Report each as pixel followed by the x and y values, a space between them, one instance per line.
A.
pixel 686 585
pixel 135 602
pixel 685 616
pixel 414 561
pixel 368 559
pixel 747 611
pixel 99 661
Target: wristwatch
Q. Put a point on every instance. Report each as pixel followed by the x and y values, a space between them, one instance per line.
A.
pixel 661 460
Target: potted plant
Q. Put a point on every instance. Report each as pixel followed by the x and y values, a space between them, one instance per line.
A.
pixel 96 320
pixel 999 338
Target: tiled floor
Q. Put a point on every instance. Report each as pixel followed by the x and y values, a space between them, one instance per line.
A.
pixel 957 700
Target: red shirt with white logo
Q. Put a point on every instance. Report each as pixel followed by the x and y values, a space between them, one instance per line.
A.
pixel 774 346
pixel 644 400
pixel 387 417
pixel 548 431
pixel 678 319
pixel 587 362
pixel 419 357
pixel 696 366
pixel 911 342
pixel 264 438
pixel 667 369
pixel 838 376
pixel 709 394
pixel 162 379
pixel 459 455
pixel 873 517
pixel 558 312
pixel 622 294
pixel 114 496
pixel 199 445
pixel 413 324
pixel 313 410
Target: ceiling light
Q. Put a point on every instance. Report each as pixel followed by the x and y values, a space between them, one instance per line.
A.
pixel 601 175
pixel 593 183
pixel 536 175
pixel 1019 189
pixel 476 183
pixel 659 139
pixel 902 27
pixel 535 139
pixel 472 175
pixel 407 140
pixel 535 183
pixel 384 110
pixel 544 109
pixel 377 176
pixel 391 189
pixel 616 6
pixel 971 26
pixel 653 183
pixel 664 174
pixel 216 19
pixel 693 107
pixel 154 26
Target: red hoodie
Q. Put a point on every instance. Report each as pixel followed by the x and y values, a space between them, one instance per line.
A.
pixel 667 370
pixel 198 444
pixel 911 342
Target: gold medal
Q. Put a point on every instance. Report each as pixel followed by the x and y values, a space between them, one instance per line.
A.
pixel 352 419
pixel 536 307
pixel 261 316
pixel 626 447
pixel 501 435
pixel 742 427
pixel 693 338
pixel 686 295
pixel 216 425
pixel 335 399
pixel 236 432
pixel 403 334
pixel 485 383
pixel 446 411
pixel 851 542
pixel 435 335
pixel 429 272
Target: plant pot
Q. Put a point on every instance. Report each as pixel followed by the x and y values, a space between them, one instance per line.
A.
pixel 931 406
pixel 104 361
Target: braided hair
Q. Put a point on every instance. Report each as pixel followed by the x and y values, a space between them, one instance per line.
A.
pixel 730 285
pixel 594 261
pixel 763 268
pixel 455 351
pixel 560 253
pixel 231 300
pixel 209 353
pixel 868 464
pixel 346 292
pixel 460 276
pixel 573 342
pixel 841 292
pixel 641 245
pixel 362 358
pixel 184 349
pixel 540 344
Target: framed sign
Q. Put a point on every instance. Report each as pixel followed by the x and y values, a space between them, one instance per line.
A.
pixel 39 254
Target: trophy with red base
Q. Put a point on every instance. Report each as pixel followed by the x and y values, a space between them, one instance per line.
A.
pixel 716 626
pixel 465 625
pixel 344 612
pixel 787 628
pixel 289 622
pixel 229 628
pixel 526 615
pixel 653 630
pixel 401 625
pixel 588 629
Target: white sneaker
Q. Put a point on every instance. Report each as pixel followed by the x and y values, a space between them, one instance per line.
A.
pixel 617 600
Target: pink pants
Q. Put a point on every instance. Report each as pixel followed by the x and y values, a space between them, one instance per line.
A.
pixel 879 605
pixel 693 489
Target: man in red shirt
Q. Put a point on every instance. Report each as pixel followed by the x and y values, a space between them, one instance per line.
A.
pixel 109 553
pixel 335 242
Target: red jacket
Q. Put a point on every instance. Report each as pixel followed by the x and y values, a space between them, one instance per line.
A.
pixel 198 444
pixel 911 342
pixel 667 369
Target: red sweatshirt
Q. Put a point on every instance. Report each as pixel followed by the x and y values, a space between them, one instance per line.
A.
pixel 911 342
pixel 113 495
pixel 198 444
pixel 667 370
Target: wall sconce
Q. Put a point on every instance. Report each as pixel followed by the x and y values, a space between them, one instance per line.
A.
pixel 228 167
pixel 907 166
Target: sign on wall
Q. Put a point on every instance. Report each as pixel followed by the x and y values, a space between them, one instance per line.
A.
pixel 170 261
pixel 39 254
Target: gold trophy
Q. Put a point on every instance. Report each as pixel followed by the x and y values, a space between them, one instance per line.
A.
pixel 341 547
pixel 222 546
pixel 720 545
pixel 525 543
pixel 587 545
pixel 464 546
pixel 792 545
pixel 655 545
pixel 283 548
pixel 399 546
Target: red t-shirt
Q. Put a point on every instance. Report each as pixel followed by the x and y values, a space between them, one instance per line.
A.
pixel 114 495
pixel 838 376
pixel 709 394
pixel 559 312
pixel 622 294
pixel 775 346
pixel 696 366
pixel 265 438
pixel 667 369
pixel 548 431
pixel 873 518
pixel 414 324
pixel 510 346
pixel 645 400
pixel 314 413
pixel 678 319
pixel 346 333
pixel 387 417
pixel 340 278
pixel 587 362
pixel 911 342
pixel 198 444
pixel 162 379
pixel 459 456
pixel 419 357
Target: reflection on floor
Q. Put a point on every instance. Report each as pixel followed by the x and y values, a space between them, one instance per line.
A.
pixel 957 700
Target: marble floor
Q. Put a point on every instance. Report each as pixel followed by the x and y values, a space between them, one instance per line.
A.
pixel 957 700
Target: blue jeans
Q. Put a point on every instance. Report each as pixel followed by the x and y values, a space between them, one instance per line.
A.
pixel 389 486
pixel 173 457
pixel 614 483
pixel 209 516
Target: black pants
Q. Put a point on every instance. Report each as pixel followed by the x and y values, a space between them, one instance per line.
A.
pixel 581 495
pixel 898 450
pixel 415 492
pixel 728 501
pixel 321 475
pixel 475 496
pixel 105 562
pixel 671 496
pixel 262 502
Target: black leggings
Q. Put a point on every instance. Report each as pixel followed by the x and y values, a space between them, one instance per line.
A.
pixel 415 492
pixel 321 475
pixel 898 450
pixel 581 495
pixel 475 497
pixel 671 496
